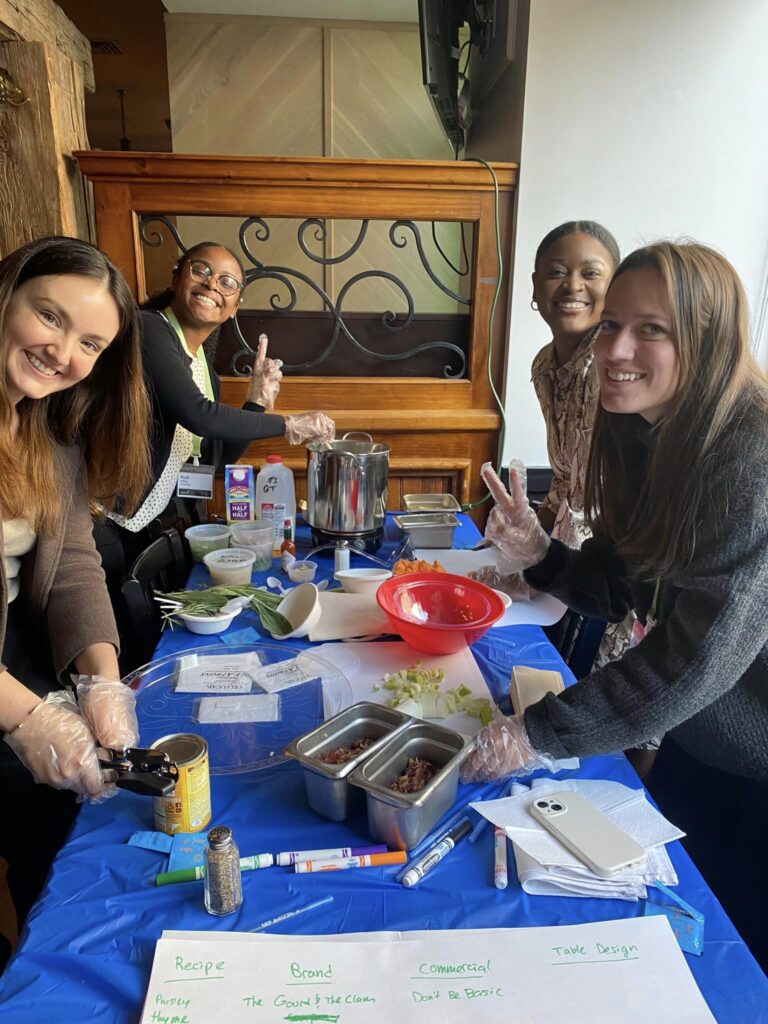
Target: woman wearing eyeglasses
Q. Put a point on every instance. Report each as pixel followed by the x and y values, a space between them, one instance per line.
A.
pixel 189 422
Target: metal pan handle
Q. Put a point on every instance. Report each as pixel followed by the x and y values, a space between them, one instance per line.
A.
pixel 362 433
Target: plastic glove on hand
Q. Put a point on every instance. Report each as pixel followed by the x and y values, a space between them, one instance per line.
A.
pixel 110 709
pixel 513 525
pixel 309 426
pixel 266 376
pixel 57 746
pixel 502 749
pixel 512 584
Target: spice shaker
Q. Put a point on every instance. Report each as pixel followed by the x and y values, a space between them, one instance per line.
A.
pixel 341 556
pixel 223 885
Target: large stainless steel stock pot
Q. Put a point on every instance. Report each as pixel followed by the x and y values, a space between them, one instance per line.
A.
pixel 347 485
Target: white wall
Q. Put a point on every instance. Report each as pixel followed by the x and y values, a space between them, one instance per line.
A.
pixel 650 118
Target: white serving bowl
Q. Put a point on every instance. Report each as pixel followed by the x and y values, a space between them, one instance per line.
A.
pixel 207 624
pixel 230 566
pixel 301 606
pixel 361 581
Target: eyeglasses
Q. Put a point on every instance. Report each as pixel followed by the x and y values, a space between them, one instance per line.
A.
pixel 226 284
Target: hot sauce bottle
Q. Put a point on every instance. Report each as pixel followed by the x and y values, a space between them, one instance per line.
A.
pixel 287 548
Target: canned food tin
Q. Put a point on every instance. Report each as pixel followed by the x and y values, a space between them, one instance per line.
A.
pixel 188 808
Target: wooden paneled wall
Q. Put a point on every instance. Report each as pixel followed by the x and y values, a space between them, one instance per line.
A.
pixel 440 431
pixel 262 86
pixel 298 87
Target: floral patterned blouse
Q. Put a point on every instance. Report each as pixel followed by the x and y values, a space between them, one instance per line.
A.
pixel 569 397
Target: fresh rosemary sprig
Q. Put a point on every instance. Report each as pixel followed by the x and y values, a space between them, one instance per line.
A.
pixel 210 601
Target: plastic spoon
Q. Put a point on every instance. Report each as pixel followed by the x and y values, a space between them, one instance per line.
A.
pixel 234 606
pixel 275 584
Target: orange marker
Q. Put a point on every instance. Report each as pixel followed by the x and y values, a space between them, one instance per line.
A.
pixel 367 860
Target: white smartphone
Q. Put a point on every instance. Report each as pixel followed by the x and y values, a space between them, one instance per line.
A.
pixel 587 833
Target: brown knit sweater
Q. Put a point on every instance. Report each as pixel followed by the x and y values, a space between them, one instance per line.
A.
pixel 62 583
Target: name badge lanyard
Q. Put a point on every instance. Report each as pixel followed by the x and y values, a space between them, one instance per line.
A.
pixel 195 478
pixel 652 618
pixel 640 629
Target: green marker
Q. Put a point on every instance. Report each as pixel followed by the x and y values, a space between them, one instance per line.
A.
pixel 258 860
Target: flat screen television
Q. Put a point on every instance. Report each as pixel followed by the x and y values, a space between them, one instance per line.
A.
pixel 439 24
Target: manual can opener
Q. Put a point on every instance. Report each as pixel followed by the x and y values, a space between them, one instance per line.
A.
pixel 149 772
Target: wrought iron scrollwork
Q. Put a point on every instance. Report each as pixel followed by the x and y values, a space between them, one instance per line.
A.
pixel 286 276
pixel 321 234
pixel 401 243
pixel 262 234
pixel 154 239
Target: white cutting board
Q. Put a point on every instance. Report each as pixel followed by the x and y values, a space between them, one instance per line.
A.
pixel 366 663
pixel 543 610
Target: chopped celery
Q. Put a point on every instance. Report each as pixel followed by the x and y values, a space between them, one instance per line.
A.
pixel 417 692
pixel 479 707
pixel 412 707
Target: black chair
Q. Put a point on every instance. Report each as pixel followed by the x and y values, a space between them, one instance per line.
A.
pixel 577 639
pixel 162 567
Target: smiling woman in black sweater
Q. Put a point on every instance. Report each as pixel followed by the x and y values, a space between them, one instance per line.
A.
pixel 677 498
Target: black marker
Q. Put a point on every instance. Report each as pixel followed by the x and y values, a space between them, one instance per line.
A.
pixel 435 854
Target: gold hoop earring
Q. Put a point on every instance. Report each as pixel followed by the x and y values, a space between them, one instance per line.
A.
pixel 534 306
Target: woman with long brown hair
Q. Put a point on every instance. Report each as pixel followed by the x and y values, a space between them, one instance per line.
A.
pixel 677 499
pixel 74 422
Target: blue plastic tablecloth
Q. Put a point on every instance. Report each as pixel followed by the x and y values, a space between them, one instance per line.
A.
pixel 86 952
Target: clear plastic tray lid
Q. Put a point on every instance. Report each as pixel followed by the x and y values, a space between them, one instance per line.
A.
pixel 247 702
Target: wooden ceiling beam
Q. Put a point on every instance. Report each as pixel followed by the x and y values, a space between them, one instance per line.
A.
pixel 42 21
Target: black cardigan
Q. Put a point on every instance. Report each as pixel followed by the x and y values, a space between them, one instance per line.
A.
pixel 226 432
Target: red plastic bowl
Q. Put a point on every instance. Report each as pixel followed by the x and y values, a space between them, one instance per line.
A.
pixel 437 612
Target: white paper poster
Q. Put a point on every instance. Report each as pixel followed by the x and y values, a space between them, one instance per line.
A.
pixel 630 971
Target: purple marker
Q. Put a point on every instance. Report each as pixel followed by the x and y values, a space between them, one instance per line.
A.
pixel 341 853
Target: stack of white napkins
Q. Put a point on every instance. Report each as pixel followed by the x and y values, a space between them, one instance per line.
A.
pixel 546 868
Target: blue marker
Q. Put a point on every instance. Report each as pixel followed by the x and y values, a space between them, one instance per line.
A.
pixel 292 913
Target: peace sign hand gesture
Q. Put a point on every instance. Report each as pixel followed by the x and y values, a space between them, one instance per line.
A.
pixel 513 525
